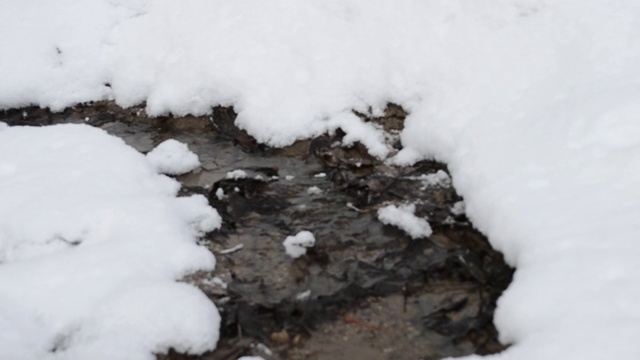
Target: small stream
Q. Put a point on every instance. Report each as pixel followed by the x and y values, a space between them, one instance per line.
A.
pixel 366 290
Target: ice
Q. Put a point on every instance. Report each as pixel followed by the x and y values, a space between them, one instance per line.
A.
pixel 173 158
pixel 403 217
pixel 296 246
pixel 92 241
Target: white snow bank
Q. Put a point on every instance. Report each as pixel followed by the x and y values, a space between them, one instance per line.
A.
pixel 532 103
pixel 173 158
pixel 296 246
pixel 92 241
pixel 404 218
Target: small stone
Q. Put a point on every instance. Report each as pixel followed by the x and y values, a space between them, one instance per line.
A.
pixel 297 340
pixel 281 337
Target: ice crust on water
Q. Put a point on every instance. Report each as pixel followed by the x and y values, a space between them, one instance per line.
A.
pixel 404 218
pixel 533 105
pixel 297 245
pixel 172 157
pixel 92 241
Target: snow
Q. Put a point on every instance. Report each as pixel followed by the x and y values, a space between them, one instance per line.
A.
pixel 404 218
pixel 458 208
pixel 236 174
pixel 92 241
pixel 439 178
pixel 303 296
pixel 220 194
pixel 314 190
pixel 233 249
pixel 173 158
pixel 216 282
pixel 533 105
pixel 296 246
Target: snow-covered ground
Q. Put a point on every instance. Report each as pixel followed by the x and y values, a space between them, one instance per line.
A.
pixel 534 105
pixel 92 241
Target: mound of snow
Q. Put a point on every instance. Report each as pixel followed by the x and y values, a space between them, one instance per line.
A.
pixel 92 241
pixel 173 158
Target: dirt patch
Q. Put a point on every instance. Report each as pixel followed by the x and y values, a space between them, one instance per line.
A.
pixel 365 290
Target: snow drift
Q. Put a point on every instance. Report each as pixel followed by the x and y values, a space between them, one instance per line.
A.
pixel 92 241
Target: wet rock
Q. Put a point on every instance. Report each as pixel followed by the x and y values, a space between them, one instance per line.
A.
pixel 29 116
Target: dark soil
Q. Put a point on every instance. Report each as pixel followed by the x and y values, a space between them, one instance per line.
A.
pixel 366 290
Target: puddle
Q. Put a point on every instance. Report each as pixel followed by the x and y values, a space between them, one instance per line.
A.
pixel 365 290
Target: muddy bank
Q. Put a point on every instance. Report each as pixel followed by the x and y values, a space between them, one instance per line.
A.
pixel 365 290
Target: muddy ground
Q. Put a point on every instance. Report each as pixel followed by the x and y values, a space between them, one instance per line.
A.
pixel 366 290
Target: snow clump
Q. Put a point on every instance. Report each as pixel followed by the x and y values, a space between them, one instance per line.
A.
pixel 404 218
pixel 296 246
pixel 440 178
pixel 236 174
pixel 220 194
pixel 172 157
pixel 458 208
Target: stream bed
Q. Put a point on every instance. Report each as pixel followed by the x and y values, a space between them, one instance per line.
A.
pixel 365 290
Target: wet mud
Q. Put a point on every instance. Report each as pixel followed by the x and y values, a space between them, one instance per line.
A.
pixel 365 290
